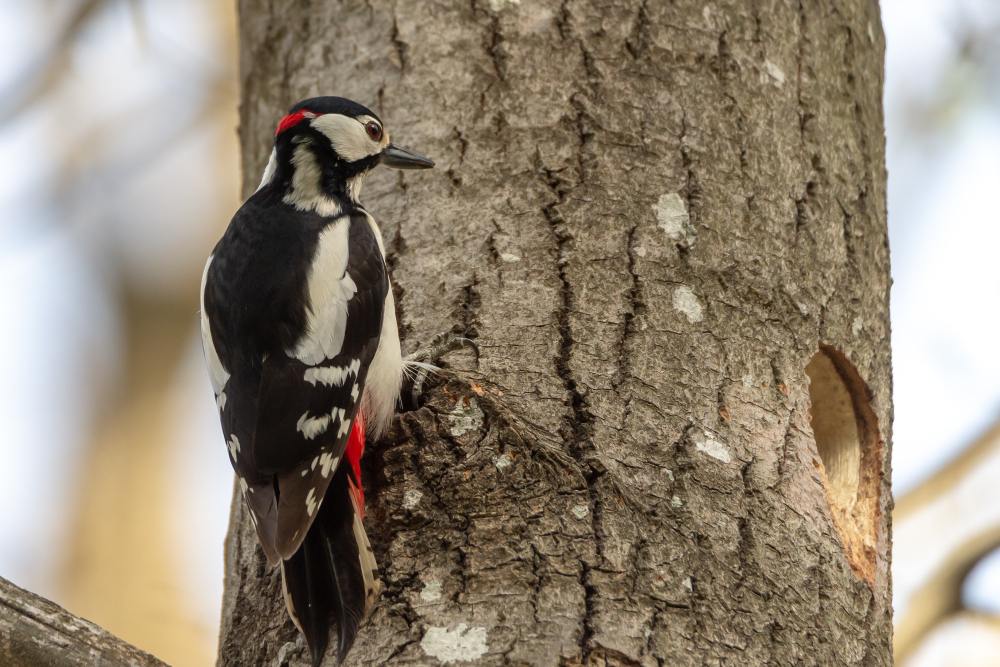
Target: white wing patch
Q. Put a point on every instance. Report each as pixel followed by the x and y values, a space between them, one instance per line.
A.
pixel 330 288
pixel 310 427
pixel 311 503
pixel 332 376
pixel 345 425
pixel 234 446
pixel 216 371
pixel 272 166
pixel 328 463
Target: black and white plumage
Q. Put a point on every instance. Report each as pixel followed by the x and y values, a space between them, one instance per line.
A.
pixel 300 335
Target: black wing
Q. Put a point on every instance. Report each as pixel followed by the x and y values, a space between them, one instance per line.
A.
pixel 289 407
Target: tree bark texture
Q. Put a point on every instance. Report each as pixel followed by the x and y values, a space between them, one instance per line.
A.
pixel 651 218
pixel 34 631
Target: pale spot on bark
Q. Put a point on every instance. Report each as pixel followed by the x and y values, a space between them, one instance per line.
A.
pixel 672 217
pixel 498 5
pixel 509 257
pixel 412 498
pixel 466 416
pixel 502 462
pixel 431 591
pixel 676 502
pixel 775 72
pixel 687 303
pixel 688 584
pixel 580 511
pixel 458 645
pixel 857 325
pixel 708 445
pixel 286 649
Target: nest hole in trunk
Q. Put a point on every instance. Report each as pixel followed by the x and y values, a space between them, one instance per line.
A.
pixel 850 454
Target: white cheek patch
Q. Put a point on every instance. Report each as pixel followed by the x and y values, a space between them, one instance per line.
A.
pixel 348 136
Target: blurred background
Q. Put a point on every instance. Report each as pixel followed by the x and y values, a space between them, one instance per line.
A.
pixel 118 131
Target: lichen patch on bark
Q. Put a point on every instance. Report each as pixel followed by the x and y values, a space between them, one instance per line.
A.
pixel 458 644
pixel 672 217
pixel 687 302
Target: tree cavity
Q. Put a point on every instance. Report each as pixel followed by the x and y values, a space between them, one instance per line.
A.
pixel 850 454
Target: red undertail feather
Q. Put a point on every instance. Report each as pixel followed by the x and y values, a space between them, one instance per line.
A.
pixel 355 450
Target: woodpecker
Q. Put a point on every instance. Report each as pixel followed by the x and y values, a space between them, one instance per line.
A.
pixel 299 329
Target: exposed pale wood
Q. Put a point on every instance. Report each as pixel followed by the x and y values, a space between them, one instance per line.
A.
pixel 649 216
pixel 34 631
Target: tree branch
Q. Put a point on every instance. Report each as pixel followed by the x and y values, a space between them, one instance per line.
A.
pixel 35 631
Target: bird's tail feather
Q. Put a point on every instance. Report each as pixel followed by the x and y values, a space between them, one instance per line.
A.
pixel 332 578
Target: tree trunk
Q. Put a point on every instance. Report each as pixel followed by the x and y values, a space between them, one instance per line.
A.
pixel 663 225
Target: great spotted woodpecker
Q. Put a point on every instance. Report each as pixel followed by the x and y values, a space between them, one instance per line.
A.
pixel 300 336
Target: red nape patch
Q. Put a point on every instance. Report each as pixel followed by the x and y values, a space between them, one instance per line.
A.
pixel 293 119
pixel 354 451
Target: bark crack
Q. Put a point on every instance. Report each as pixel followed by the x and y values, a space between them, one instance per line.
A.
pixel 401 48
pixel 691 189
pixel 468 308
pixel 638 41
pixel 578 424
pixel 632 308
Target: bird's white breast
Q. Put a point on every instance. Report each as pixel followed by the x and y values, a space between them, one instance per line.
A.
pixel 385 374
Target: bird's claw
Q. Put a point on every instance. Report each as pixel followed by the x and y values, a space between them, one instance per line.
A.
pixel 440 345
pixel 420 364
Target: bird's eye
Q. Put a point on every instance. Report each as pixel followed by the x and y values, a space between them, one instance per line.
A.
pixel 374 130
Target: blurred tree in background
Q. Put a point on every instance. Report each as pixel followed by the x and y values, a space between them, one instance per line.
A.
pixel 120 118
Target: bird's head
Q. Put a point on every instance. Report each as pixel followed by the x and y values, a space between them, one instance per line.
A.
pixel 327 145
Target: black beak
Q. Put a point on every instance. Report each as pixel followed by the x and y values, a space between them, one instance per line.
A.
pixel 400 158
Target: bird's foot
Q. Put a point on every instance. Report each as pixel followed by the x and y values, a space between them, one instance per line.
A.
pixel 420 364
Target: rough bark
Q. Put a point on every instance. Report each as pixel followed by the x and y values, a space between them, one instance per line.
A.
pixel 649 217
pixel 34 631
